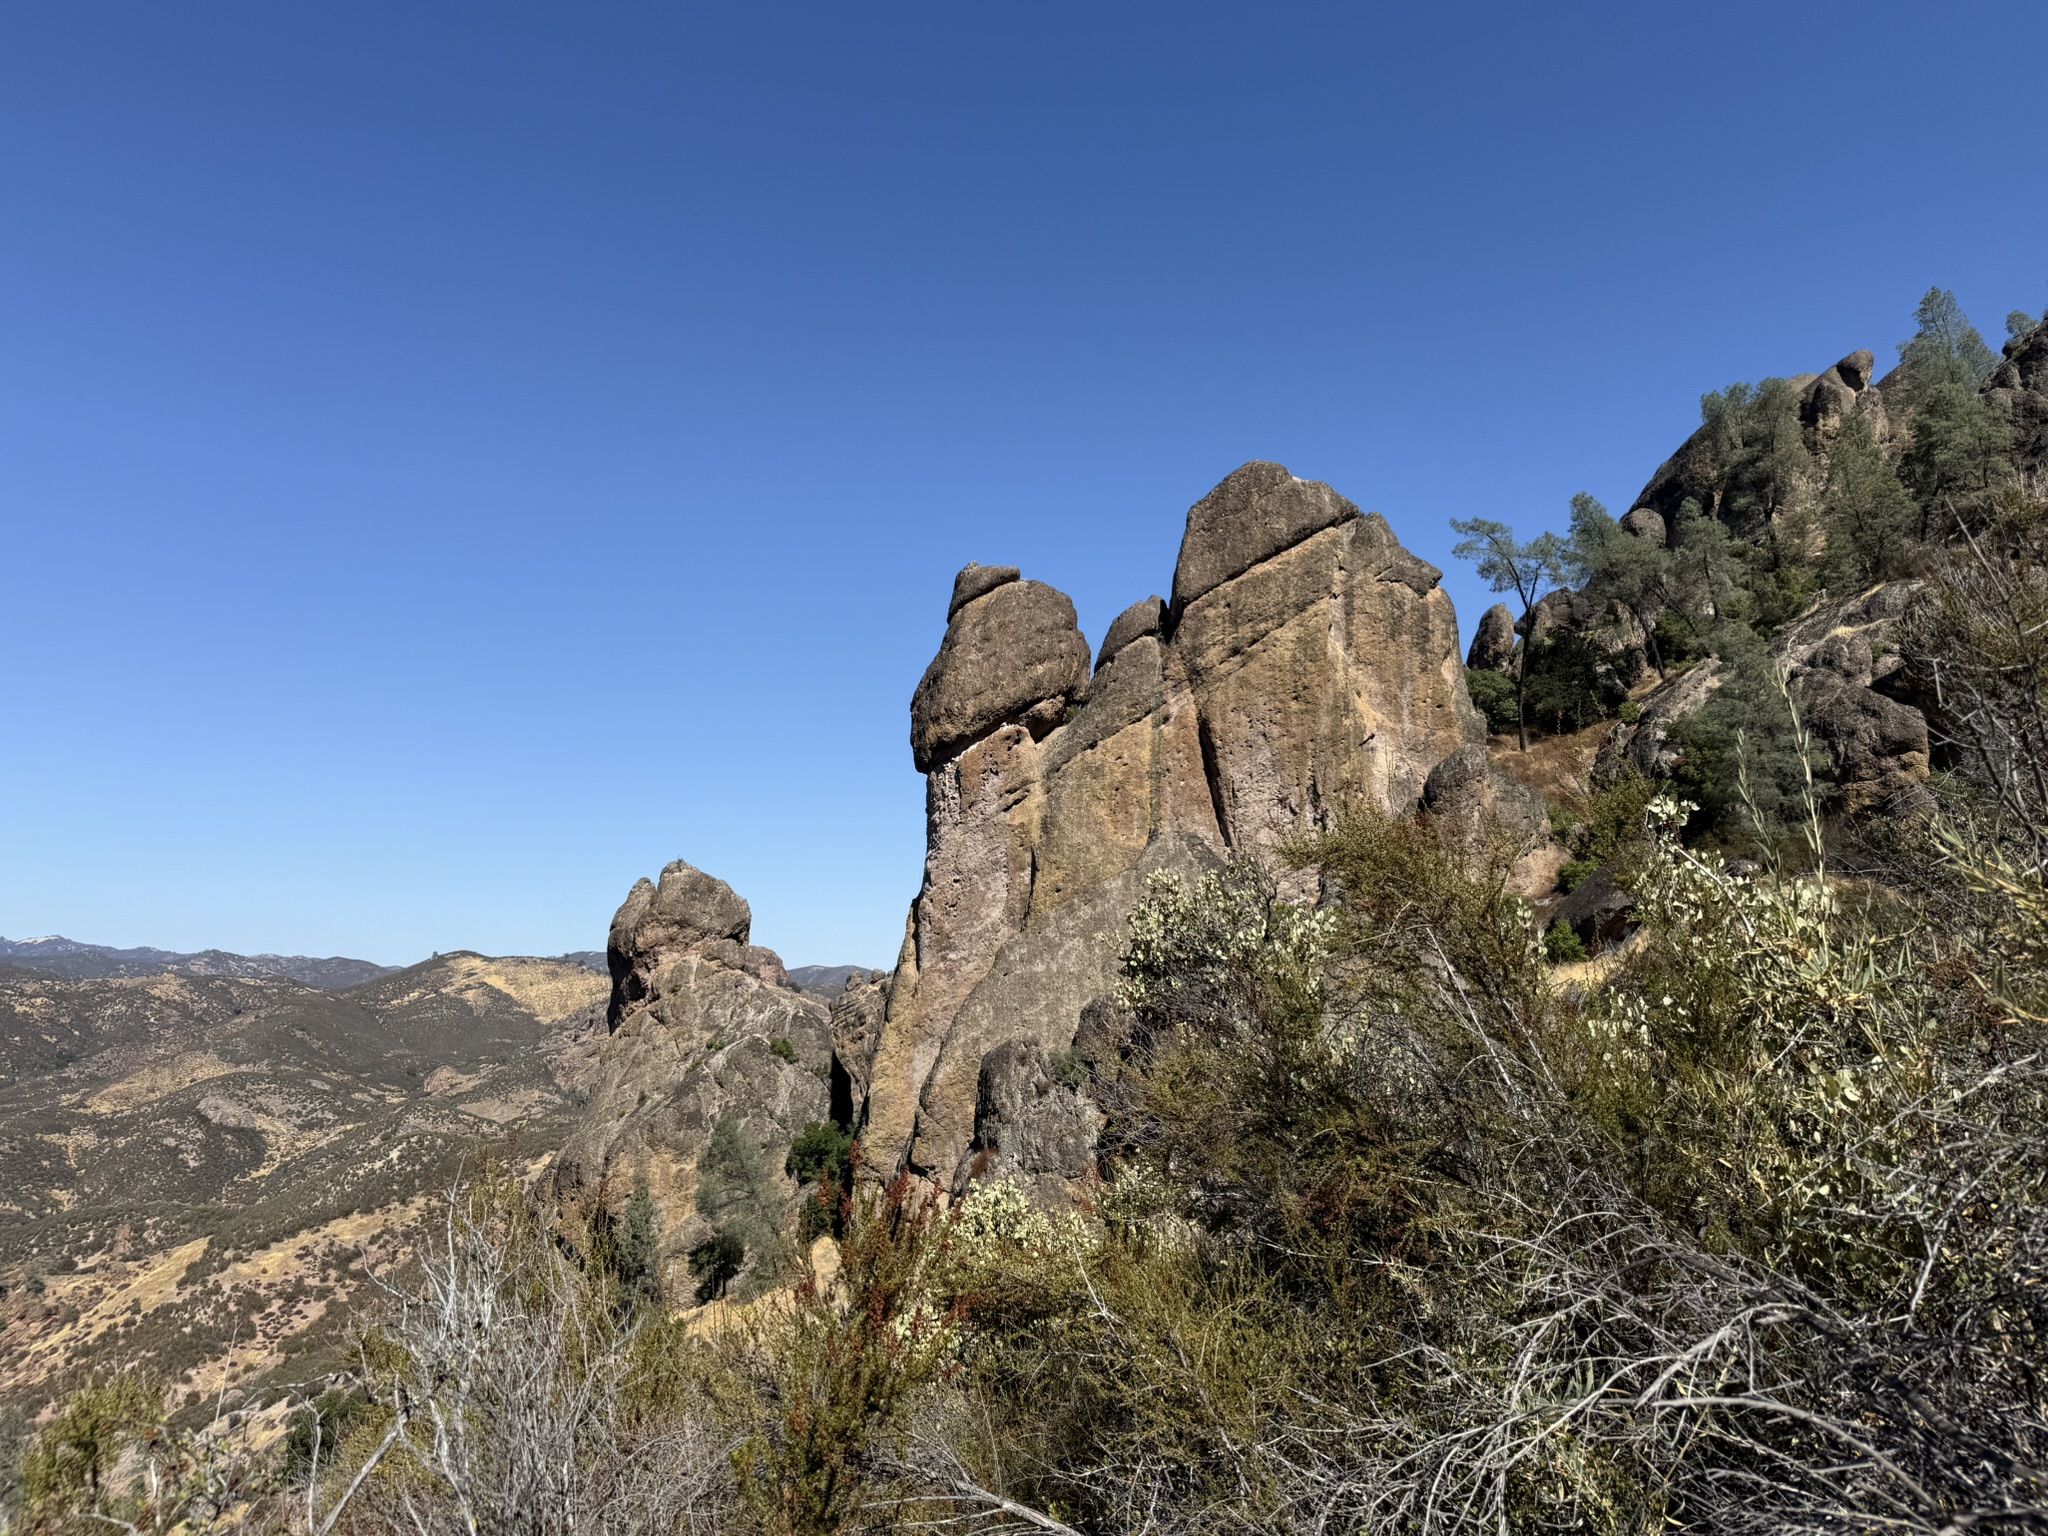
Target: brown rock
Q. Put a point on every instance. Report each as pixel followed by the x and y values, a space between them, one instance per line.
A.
pixel 978 581
pixel 1647 523
pixel 1310 664
pixel 1857 369
pixel 1030 1126
pixel 1645 747
pixel 1012 648
pixel 1134 623
pixel 1493 646
pixel 1474 802
pixel 1258 511
pixel 688 910
pixel 697 1036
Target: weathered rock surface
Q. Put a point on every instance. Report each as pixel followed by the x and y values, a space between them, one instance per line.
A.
pixel 1467 795
pixel 1647 523
pixel 1493 644
pixel 1012 652
pixel 1694 472
pixel 2020 384
pixel 1258 511
pixel 1031 1127
pixel 1305 664
pixel 1134 623
pixel 1646 746
pixel 697 1036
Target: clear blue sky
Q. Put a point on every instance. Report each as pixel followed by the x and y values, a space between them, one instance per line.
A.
pixel 456 458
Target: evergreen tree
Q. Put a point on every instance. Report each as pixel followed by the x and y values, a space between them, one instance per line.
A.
pixel 1612 565
pixel 2018 323
pixel 1707 590
pixel 1869 516
pixel 1944 346
pixel 738 1195
pixel 1960 455
pixel 1528 570
pixel 1761 466
pixel 640 1244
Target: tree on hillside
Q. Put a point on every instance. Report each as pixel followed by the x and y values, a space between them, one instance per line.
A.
pixel 1528 570
pixel 1612 565
pixel 2018 322
pixel 1706 578
pixel 1944 346
pixel 1759 454
pixel 1868 514
pixel 1961 454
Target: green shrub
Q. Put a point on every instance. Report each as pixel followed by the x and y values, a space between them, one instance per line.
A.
pixel 783 1049
pixel 822 1150
pixel 1562 945
pixel 1493 693
pixel 1070 1069
pixel 716 1262
pixel 1575 873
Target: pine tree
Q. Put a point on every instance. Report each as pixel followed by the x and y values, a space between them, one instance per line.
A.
pixel 1508 565
pixel 1944 346
pixel 1868 514
pixel 1612 565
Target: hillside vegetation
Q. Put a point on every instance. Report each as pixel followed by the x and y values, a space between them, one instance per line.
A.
pixel 1406 1216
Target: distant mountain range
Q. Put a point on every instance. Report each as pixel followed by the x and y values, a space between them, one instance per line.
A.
pixel 57 956
pixel 819 980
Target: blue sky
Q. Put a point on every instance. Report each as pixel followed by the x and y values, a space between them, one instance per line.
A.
pixel 456 458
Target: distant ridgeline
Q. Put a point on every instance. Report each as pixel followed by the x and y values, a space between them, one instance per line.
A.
pixel 67 957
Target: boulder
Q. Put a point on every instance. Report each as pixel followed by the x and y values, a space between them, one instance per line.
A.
pixel 1647 523
pixel 1598 912
pixel 1258 511
pixel 978 581
pixel 1008 653
pixel 685 912
pixel 1474 802
pixel 1645 746
pixel 1493 645
pixel 1134 623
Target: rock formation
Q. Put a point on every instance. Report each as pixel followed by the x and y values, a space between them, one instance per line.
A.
pixel 703 1028
pixel 1493 644
pixel 1304 663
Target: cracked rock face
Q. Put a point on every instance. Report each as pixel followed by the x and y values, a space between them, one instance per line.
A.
pixel 1306 663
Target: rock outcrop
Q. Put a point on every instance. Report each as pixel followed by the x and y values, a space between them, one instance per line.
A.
pixel 1493 643
pixel 2020 384
pixel 701 1032
pixel 1852 689
pixel 1694 473
pixel 1304 663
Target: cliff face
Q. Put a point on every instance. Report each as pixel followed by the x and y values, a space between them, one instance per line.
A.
pixel 1305 663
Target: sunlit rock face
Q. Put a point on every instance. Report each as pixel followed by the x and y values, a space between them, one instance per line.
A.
pixel 1304 664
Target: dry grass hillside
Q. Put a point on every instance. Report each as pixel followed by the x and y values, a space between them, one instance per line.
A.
pixel 198 1174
